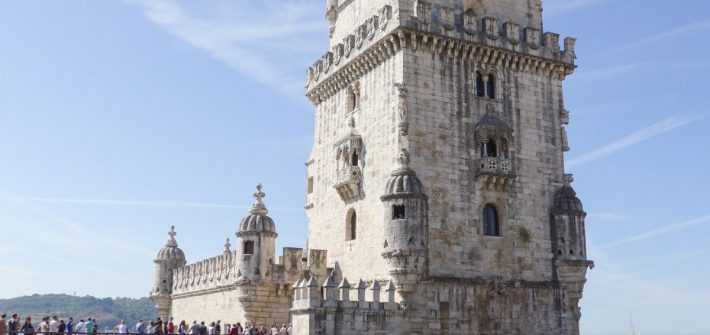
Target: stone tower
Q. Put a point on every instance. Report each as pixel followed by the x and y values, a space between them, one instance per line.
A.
pixel 169 258
pixel 438 163
pixel 256 242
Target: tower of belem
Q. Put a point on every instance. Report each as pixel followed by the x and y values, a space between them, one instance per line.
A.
pixel 436 192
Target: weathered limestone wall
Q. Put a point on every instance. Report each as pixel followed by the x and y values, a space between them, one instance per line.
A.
pixel 263 304
pixel 376 121
pixel 442 130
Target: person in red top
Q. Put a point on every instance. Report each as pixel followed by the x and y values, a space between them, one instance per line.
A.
pixel 171 328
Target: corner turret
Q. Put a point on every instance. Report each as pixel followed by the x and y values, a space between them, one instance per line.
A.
pixel 256 242
pixel 406 222
pixel 169 258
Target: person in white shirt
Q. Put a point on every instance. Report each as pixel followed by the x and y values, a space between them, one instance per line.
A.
pixel 290 329
pixel 54 325
pixel 282 331
pixel 79 326
pixel 274 330
pixel 121 328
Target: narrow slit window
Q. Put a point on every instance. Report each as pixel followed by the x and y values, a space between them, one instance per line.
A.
pixel 351 227
pixel 490 221
pixel 480 85
pixel 491 87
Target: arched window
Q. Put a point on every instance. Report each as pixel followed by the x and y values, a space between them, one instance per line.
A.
pixel 351 226
pixel 248 247
pixel 491 225
pixel 354 159
pixel 489 148
pixel 480 85
pixel 491 87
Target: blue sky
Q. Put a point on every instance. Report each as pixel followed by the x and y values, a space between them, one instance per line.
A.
pixel 121 118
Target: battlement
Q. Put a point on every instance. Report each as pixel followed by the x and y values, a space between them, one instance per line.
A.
pixel 206 274
pixel 221 271
pixel 443 30
pixel 352 309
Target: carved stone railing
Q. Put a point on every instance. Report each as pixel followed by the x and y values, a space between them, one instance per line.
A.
pixel 495 172
pixel 207 274
pixel 347 182
pixel 494 165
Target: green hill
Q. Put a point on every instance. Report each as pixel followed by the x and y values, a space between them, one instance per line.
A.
pixel 107 311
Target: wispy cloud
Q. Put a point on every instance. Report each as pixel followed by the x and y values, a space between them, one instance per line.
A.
pixel 610 217
pixel 140 203
pixel 657 232
pixel 246 40
pixel 689 28
pixel 554 8
pixel 634 138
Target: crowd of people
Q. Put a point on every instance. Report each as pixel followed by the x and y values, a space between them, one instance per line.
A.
pixel 55 326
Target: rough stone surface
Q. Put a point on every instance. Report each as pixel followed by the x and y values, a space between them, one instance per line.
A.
pixel 427 114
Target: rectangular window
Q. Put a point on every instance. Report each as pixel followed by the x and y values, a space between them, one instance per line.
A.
pixel 310 185
pixel 398 212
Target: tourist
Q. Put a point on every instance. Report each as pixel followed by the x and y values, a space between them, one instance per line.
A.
pixel 274 330
pixel 158 327
pixel 282 331
pixel 43 326
pixel 13 326
pixel 89 326
pixel 80 327
pixel 218 328
pixel 210 329
pixel 170 329
pixel 140 327
pixel 121 328
pixel 54 325
pixel 194 329
pixel 203 328
pixel 70 326
pixel 3 324
pixel 27 328
pixel 181 328
pixel 290 329
pixel 236 330
pixel 62 327
pixel 96 327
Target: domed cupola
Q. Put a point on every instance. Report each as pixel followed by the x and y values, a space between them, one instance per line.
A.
pixel 171 252
pixel 567 214
pixel 403 182
pixel 256 241
pixel 257 221
pixel 566 201
pixel 406 221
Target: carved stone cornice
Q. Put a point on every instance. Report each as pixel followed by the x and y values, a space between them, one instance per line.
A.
pixel 325 85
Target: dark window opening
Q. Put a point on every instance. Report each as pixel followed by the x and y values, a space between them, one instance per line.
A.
pixel 352 227
pixel 354 159
pixel 480 86
pixel 310 185
pixel 491 87
pixel 490 221
pixel 489 149
pixel 398 212
pixel 248 247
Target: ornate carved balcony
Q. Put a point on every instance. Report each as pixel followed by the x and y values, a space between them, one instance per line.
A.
pixel 495 172
pixel 347 182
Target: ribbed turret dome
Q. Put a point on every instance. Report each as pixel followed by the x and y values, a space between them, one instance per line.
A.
pixel 257 221
pixel 171 251
pixel 403 183
pixel 566 201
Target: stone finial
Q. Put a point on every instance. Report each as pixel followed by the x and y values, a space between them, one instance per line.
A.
pixel 227 247
pixel 375 289
pixel 344 290
pixel 172 242
pixel 568 179
pixel 390 288
pixel 258 207
pixel 360 287
pixel 312 289
pixel 403 158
